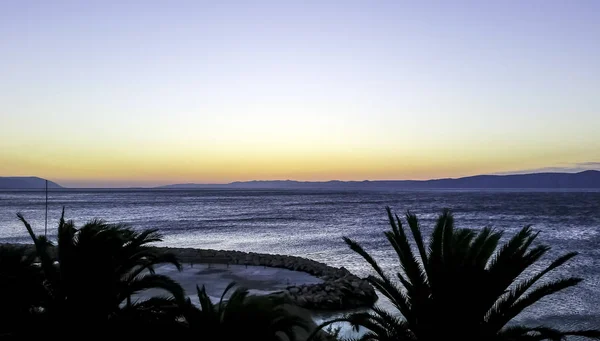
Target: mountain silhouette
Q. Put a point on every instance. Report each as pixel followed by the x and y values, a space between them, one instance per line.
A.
pixel 26 182
pixel 583 180
pixel 589 179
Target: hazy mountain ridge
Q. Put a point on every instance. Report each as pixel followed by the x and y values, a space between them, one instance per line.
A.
pixel 26 182
pixel 585 180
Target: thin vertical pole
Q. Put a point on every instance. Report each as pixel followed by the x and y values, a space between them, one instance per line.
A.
pixel 46 224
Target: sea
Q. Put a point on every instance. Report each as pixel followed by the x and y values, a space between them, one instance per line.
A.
pixel 312 223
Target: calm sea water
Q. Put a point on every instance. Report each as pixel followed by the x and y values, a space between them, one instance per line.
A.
pixel 311 224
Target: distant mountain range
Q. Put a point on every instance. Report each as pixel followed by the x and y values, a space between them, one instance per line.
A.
pixel 584 180
pixel 26 182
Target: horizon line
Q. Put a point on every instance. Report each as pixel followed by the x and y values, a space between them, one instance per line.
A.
pixel 301 181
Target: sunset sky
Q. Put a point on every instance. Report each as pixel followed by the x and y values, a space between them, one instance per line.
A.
pixel 121 93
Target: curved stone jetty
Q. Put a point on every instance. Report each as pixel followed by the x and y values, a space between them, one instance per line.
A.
pixel 340 289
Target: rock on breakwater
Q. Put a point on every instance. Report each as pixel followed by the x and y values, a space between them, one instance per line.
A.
pixel 340 288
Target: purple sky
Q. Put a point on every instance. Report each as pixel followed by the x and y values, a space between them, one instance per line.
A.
pixel 150 92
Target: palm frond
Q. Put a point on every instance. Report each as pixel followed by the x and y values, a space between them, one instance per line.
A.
pixel 157 281
pixel 482 253
pixel 436 248
pixel 413 224
pixel 354 246
pixel 394 294
pixel 42 251
pixel 508 300
pixel 414 271
pixel 501 318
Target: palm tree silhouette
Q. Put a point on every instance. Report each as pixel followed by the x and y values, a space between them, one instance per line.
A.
pixel 93 272
pixel 461 286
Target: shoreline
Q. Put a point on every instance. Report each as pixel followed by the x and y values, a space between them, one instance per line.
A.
pixel 340 290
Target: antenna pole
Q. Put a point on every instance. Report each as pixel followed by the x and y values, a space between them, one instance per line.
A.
pixel 46 224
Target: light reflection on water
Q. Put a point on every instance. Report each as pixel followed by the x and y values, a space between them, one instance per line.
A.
pixel 311 224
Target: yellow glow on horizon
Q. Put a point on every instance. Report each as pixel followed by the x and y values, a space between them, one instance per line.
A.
pixel 148 163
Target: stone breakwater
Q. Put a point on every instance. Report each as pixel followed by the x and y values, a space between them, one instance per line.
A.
pixel 340 289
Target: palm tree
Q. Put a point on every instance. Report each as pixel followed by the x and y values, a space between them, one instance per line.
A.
pixel 244 317
pixel 93 272
pixel 461 286
pixel 22 290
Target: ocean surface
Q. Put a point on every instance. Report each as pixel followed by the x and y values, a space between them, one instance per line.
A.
pixel 311 224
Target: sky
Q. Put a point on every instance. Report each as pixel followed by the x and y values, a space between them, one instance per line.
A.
pixel 140 93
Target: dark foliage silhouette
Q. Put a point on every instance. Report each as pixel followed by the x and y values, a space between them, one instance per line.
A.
pixel 21 289
pixel 86 285
pixel 91 275
pixel 461 286
pixel 244 317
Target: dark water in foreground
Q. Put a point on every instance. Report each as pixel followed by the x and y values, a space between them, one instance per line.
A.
pixel 311 224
